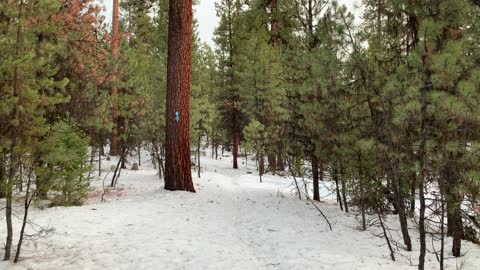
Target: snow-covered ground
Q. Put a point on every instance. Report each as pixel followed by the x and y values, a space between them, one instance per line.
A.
pixel 232 222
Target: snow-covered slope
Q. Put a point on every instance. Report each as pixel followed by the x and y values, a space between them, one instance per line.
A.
pixel 232 222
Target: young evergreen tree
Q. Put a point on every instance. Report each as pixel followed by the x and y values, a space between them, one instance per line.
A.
pixel 227 38
pixel 259 70
pixel 29 89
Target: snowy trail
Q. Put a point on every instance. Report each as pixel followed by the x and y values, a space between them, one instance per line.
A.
pixel 232 222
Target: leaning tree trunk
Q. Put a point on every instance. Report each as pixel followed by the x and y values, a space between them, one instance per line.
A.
pixel 178 175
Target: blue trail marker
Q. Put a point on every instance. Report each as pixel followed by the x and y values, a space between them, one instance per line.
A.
pixel 177 116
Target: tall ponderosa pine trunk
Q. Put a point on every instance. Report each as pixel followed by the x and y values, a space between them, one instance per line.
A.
pixel 178 175
pixel 114 145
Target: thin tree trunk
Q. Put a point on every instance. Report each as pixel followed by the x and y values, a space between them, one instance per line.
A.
pixel 412 194
pixel 213 149
pixel 316 188
pixel 361 177
pixel 422 160
pixel 294 178
pixel 158 156
pixel 392 255
pixel 399 203
pixel 116 172
pixel 102 149
pixel 261 163
pixel 100 160
pixel 198 153
pixel 335 178
pixel 92 158
pixel 13 156
pixel 8 203
pixel 139 156
pixel 236 140
pixel 28 200
pixel 8 217
pixel 178 175
pixel 246 159
pixel 2 175
pixel 442 234
pixel 344 191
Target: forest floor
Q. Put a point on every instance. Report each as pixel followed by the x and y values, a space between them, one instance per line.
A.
pixel 232 222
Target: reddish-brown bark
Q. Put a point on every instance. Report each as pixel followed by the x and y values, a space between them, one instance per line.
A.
pixel 114 147
pixel 178 175
pixel 274 24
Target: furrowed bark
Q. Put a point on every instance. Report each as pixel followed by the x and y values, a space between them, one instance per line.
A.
pixel 178 174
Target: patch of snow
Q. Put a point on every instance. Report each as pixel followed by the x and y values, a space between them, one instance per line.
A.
pixel 232 222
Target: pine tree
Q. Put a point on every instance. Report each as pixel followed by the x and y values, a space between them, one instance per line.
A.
pixel 255 141
pixel 29 89
pixel 177 162
pixel 203 111
pixel 227 38
pixel 114 144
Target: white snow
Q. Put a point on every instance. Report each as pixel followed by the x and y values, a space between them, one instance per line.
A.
pixel 232 222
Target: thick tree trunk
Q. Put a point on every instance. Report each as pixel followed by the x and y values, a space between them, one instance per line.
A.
pixel 114 145
pixel 454 200
pixel 316 190
pixel 178 175
pixel 272 163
